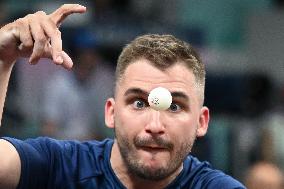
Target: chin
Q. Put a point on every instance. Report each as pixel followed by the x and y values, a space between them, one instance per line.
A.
pixel 153 172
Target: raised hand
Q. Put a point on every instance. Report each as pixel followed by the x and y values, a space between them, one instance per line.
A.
pixel 37 36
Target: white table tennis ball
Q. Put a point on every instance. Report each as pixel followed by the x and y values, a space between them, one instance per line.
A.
pixel 160 98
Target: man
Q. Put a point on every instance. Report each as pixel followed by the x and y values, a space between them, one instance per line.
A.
pixel 151 147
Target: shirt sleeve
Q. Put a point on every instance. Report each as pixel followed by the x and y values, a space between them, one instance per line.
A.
pixel 44 163
pixel 223 181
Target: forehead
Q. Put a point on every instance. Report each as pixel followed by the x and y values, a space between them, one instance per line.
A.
pixel 142 74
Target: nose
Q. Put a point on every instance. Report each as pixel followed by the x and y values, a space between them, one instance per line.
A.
pixel 154 124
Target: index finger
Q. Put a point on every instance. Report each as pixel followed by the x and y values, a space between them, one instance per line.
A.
pixel 65 10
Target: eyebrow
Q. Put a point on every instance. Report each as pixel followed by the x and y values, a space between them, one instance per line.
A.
pixel 181 95
pixel 138 91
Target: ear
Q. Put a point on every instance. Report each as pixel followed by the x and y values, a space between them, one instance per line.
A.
pixel 109 112
pixel 203 121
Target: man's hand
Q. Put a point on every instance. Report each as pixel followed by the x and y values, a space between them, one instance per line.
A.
pixel 37 36
pixel 34 36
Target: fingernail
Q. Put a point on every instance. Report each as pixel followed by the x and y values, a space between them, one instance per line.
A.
pixel 80 6
pixel 31 61
pixel 59 59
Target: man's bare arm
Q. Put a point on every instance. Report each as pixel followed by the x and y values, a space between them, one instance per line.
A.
pixel 35 36
pixel 10 169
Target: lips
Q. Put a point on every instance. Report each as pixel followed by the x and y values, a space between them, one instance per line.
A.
pixel 153 148
pixel 153 144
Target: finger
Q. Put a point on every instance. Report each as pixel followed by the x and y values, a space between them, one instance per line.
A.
pixel 40 40
pixel 65 10
pixel 25 37
pixel 67 61
pixel 54 34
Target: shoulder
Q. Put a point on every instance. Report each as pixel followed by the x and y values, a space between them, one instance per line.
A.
pixel 63 155
pixel 212 179
pixel 65 148
pixel 70 162
pixel 203 175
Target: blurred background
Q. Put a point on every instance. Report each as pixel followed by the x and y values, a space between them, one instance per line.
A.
pixel 240 41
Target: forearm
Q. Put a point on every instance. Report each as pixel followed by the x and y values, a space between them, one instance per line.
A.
pixel 5 72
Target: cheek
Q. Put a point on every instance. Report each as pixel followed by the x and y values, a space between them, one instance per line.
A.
pixel 129 123
pixel 182 123
pixel 182 128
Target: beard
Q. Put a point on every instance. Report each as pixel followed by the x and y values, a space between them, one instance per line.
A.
pixel 128 151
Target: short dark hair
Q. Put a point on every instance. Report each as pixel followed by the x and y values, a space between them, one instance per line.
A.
pixel 163 51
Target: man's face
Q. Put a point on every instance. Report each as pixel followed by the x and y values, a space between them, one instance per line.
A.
pixel 153 144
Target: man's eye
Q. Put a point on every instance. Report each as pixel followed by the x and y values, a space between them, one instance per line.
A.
pixel 139 104
pixel 174 107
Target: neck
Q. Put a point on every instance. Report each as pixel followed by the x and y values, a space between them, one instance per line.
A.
pixel 132 181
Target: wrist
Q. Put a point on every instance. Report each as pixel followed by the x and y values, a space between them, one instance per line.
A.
pixel 6 65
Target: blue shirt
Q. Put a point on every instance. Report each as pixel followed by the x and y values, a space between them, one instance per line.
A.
pixel 52 164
